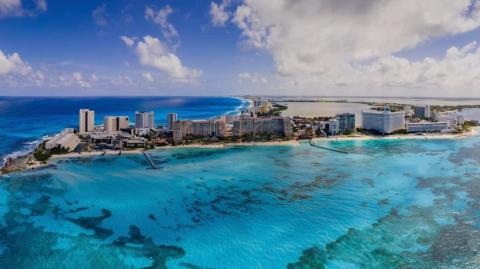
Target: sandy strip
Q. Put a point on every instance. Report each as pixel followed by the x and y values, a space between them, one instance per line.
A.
pixel 472 132
pixel 95 153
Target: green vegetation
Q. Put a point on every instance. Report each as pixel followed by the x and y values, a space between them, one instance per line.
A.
pixel 402 131
pixel 42 155
pixel 275 111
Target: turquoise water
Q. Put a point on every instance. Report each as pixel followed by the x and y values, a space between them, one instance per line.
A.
pixel 388 204
pixel 24 120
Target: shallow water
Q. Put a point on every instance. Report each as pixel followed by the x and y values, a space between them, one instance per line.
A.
pixel 388 204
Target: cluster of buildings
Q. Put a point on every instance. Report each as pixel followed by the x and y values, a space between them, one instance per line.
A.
pixel 117 133
pixel 343 123
pixel 421 119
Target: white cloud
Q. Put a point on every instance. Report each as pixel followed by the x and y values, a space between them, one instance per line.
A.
pixel 455 74
pixel 147 76
pixel 252 77
pixel 99 15
pixel 19 8
pixel 127 40
pixel 80 80
pixel 160 17
pixel 218 13
pixel 314 36
pixel 13 64
pixel 153 53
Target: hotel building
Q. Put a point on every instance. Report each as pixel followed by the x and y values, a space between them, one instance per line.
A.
pixel 256 126
pixel 144 120
pixel 427 127
pixel 422 111
pixel 114 124
pixel 385 122
pixel 86 121
pixel 66 139
pixel 171 118
pixel 200 128
pixel 346 122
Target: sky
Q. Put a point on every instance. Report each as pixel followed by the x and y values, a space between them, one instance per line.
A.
pixel 240 47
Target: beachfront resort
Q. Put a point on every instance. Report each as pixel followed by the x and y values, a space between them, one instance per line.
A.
pixel 260 122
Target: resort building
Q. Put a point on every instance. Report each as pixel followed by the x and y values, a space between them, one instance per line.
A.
pixel 144 120
pixel 86 121
pixel 171 118
pixel 385 122
pixel 261 106
pixel 255 126
pixel 427 127
pixel 452 117
pixel 114 124
pixel 422 111
pixel 198 128
pixel 67 139
pixel 332 127
pixel 346 122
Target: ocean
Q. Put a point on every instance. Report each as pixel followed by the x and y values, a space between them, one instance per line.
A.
pixel 390 203
pixel 25 120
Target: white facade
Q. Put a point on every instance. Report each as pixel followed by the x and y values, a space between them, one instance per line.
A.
pixel 385 122
pixel 144 120
pixel 427 127
pixel 451 117
pixel 114 124
pixel 66 139
pixel 86 121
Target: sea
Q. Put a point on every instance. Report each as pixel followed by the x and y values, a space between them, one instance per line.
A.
pixel 388 203
pixel 24 121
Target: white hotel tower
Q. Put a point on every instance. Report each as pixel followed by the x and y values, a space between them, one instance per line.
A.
pixel 385 122
pixel 87 121
pixel 144 120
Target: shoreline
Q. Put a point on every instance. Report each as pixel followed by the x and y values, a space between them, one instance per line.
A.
pixel 472 132
pixel 38 165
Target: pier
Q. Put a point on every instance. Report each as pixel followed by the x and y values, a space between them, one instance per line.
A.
pixel 330 149
pixel 149 160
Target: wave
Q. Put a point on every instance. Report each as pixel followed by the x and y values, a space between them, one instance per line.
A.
pixel 26 148
pixel 246 103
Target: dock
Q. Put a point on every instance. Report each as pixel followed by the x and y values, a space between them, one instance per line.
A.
pixel 149 160
pixel 325 148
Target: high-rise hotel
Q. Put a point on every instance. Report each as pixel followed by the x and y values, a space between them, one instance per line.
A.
pixel 171 118
pixel 87 121
pixel 144 120
pixel 114 124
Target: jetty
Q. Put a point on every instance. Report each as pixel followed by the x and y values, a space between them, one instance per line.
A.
pixel 326 148
pixel 149 160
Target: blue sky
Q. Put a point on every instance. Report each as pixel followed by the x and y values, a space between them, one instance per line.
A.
pixel 234 47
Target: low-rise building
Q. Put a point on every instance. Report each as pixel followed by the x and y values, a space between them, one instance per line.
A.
pixel 256 126
pixel 385 122
pixel 427 127
pixel 67 139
